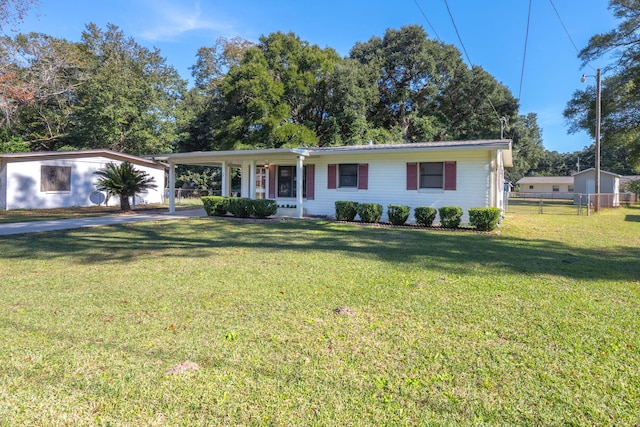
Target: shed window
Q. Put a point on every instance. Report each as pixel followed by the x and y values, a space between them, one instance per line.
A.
pixel 556 188
pixel 55 178
pixel 531 187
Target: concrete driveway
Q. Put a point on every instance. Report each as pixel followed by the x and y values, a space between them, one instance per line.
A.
pixel 66 224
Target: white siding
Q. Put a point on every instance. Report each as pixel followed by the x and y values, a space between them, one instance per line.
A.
pixel 387 182
pixel 543 188
pixel 23 190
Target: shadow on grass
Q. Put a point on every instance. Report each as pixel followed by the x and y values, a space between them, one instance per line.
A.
pixel 458 252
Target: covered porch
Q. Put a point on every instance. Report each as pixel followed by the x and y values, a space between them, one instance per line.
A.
pixel 257 171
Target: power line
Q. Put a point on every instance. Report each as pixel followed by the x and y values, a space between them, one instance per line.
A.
pixel 458 33
pixel 566 31
pixel 428 22
pixel 467 54
pixel 524 55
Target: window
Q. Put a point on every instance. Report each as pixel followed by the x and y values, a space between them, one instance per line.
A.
pixel 287 181
pixel 556 188
pixel 531 187
pixel 55 178
pixel 348 175
pixel 570 189
pixel 432 175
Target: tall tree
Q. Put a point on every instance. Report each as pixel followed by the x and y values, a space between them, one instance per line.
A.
pixel 46 73
pixel 620 97
pixel 129 104
pixel 200 111
pixel 412 72
pixel 528 150
pixel 13 11
pixel 273 98
pixel 472 105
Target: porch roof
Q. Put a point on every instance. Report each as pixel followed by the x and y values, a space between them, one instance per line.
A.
pixel 203 158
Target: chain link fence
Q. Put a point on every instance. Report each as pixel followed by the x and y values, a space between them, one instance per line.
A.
pixel 565 203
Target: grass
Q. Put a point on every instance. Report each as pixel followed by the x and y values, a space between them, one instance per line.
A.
pixel 537 325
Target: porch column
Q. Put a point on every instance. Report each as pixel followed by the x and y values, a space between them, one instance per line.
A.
pixel 224 189
pixel 299 181
pixel 172 185
pixel 252 179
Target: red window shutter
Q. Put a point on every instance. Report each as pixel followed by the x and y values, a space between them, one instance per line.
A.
pixel 412 176
pixel 450 175
pixel 363 176
pixel 311 177
pixel 272 181
pixel 331 177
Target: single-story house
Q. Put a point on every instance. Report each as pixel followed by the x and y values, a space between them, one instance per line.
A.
pixel 448 173
pixel 61 179
pixel 585 183
pixel 557 186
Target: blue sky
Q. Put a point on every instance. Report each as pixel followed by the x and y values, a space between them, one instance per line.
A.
pixel 493 33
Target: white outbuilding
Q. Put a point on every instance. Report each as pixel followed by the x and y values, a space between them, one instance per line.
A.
pixel 61 179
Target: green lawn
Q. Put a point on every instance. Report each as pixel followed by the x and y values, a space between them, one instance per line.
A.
pixel 536 325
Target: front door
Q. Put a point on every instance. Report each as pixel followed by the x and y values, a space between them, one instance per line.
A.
pixel 261 182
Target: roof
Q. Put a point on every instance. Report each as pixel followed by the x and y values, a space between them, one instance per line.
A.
pixel 54 155
pixel 266 155
pixel 546 180
pixel 601 172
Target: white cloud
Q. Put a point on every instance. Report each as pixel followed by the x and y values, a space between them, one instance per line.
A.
pixel 169 19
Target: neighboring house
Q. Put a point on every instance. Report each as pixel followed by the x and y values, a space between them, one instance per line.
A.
pixel 553 186
pixel 449 173
pixel 585 183
pixel 66 179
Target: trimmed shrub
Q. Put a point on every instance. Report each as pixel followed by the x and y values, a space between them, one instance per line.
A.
pixel 425 215
pixel 450 216
pixel 239 206
pixel 484 219
pixel 369 212
pixel 214 205
pixel 345 210
pixel 398 214
pixel 263 208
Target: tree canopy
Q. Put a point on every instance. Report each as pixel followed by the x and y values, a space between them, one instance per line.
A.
pixel 107 91
pixel 620 95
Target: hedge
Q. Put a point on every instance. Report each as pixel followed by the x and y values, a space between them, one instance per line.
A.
pixel 369 212
pixel 345 210
pixel 450 216
pixel 425 215
pixel 214 205
pixel 239 206
pixel 263 208
pixel 398 214
pixel 484 219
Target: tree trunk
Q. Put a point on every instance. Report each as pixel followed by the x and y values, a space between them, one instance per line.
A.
pixel 125 206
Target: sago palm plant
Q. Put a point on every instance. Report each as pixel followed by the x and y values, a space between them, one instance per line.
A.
pixel 124 181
